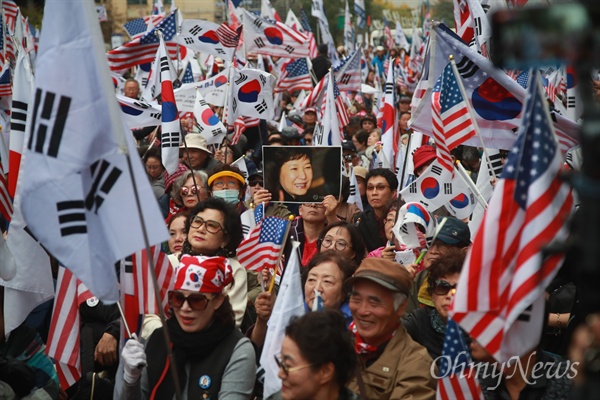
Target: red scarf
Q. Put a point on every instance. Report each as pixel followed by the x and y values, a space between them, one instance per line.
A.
pixel 360 346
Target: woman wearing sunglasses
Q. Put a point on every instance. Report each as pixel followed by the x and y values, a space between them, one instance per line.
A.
pixel 187 191
pixel 214 229
pixel 211 356
pixel 427 325
pixel 317 359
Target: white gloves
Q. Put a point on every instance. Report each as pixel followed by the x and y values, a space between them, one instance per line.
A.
pixel 134 359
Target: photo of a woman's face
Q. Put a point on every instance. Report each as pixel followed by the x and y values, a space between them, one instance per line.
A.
pixel 296 176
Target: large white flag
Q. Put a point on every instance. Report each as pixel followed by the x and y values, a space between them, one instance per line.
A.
pixel 329 133
pixel 79 168
pixel 209 125
pixel 208 37
pixel 138 113
pixel 251 94
pixel 289 304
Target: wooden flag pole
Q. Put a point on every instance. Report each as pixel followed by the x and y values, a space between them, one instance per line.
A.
pixel 461 87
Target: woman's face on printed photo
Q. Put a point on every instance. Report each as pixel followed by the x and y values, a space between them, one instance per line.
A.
pixel 296 176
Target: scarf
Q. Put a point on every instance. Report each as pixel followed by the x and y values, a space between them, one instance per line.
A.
pixel 437 322
pixel 360 346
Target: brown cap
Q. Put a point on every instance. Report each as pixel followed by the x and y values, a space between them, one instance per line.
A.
pixel 386 273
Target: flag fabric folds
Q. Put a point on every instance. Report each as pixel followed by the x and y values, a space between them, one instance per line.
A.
pixel 348 74
pixel 142 49
pixel 139 113
pixel 208 124
pixel 251 94
pixel 208 37
pixel 63 338
pixel 457 377
pixel 77 176
pixel 262 247
pixel 452 123
pixel 295 76
pixel 273 38
pixel 501 287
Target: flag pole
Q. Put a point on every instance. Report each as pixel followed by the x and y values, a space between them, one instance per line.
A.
pixel 401 186
pixel 124 319
pixel 466 179
pixel 152 267
pixel 471 113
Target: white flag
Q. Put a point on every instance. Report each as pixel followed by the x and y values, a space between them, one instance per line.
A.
pixel 289 304
pixel 251 94
pixel 208 37
pixel 139 113
pixel 76 190
pixel 328 133
pixel 354 192
pixel 209 125
pixel 433 188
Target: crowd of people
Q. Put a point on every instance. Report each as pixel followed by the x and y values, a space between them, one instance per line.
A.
pixel 374 327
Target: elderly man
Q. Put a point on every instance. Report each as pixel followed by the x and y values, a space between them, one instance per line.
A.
pixel 392 365
pixel 196 155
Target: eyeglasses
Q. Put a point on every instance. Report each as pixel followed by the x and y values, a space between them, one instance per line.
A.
pixel 379 188
pixel 153 167
pixel 229 184
pixel 196 301
pixel 339 245
pixel 211 226
pixel 349 157
pixel 286 369
pixel 185 191
pixel 441 288
pixel 254 182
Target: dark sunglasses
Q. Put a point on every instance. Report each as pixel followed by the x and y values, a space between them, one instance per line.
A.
pixel 254 182
pixel 186 191
pixel 441 288
pixel 196 301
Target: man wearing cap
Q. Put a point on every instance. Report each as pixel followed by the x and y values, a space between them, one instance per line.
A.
pixel 350 154
pixel 368 123
pixel 379 60
pixel 404 105
pixel 309 118
pixel 454 238
pixel 197 156
pixel 381 188
pixel 391 364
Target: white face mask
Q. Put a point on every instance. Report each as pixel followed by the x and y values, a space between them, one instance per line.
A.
pixel 230 196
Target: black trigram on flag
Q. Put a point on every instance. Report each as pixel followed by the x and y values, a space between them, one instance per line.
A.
pixel 220 50
pixel 245 229
pixel 318 134
pixel 289 49
pixel 525 316
pixel 352 190
pixel 478 26
pixel 448 188
pixel 141 104
pixel 195 30
pixel 262 107
pixel 413 187
pixel 571 101
pixel 242 78
pixel 104 178
pixel 466 68
pixel 234 105
pixel 259 43
pixel 496 162
pixel 203 102
pixel 216 131
pixel 18 116
pixel 189 40
pixel 345 79
pixel 156 115
pixel 258 23
pixel 164 64
pixel 263 80
pixel 436 169
pixel 40 127
pixel 169 139
pixel 389 88
pixel 71 217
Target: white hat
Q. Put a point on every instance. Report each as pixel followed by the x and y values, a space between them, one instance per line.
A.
pixel 195 141
pixel 379 48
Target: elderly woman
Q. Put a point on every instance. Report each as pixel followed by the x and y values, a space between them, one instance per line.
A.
pixel 212 358
pixel 188 190
pixel 214 229
pixel 155 171
pixel 427 325
pixel 316 360
pixel 227 182
pixel 344 238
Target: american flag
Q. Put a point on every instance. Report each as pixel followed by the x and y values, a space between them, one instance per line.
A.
pixel 389 40
pixel 139 26
pixel 228 36
pixel 452 123
pixel 348 74
pixel 144 287
pixel 523 79
pixel 316 95
pixel 505 272
pixel 240 125
pixel 142 49
pixel 63 338
pixel 295 75
pixel 312 43
pixel 458 379
pixel 11 9
pixel 262 247
pixel 188 76
pixel 5 81
pixel 6 207
pixel 340 106
pixel 9 46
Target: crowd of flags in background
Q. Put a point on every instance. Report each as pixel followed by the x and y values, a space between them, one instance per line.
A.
pixel 79 202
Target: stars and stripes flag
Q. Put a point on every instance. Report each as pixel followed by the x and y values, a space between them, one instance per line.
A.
pixel 11 9
pixel 295 75
pixel 312 43
pixel 329 131
pixel 361 13
pixel 5 81
pixel 500 296
pixel 142 49
pixel 6 206
pixel 63 337
pixel 452 123
pixel 273 38
pixel 262 247
pixel 316 95
pixel 348 74
pixel 458 380
pixel 170 136
pixel 137 27
pixel 208 37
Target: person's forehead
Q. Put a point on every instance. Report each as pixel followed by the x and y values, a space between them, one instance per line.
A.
pixel 377 179
pixel 368 288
